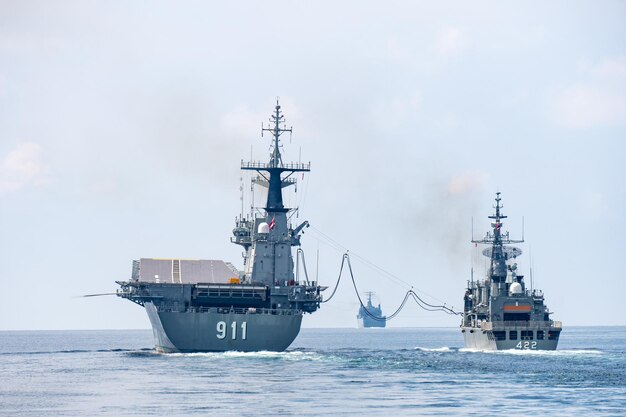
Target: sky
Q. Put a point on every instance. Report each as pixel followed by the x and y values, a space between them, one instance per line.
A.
pixel 123 125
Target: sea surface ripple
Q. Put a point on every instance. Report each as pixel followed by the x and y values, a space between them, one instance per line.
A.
pixel 326 372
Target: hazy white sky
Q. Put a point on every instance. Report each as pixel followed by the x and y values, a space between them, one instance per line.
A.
pixel 122 126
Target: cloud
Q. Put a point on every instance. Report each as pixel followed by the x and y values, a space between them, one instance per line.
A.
pixel 396 50
pixel 585 106
pixel 611 67
pixel 450 41
pixel 593 203
pixel 598 99
pixel 397 111
pixel 243 122
pixel 21 167
pixel 31 42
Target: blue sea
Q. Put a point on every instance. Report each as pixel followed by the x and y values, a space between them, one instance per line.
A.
pixel 326 372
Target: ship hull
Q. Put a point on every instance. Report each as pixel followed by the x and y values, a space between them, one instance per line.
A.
pixel 219 332
pixel 477 339
pixel 368 323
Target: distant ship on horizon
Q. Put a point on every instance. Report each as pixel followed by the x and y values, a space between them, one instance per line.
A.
pixel 370 315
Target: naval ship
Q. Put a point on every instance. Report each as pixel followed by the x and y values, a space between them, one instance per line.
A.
pixel 209 305
pixel 500 312
pixel 366 320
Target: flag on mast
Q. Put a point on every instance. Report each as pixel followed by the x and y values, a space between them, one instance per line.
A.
pixel 272 223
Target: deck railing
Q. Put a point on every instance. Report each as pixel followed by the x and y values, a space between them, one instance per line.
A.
pixel 246 310
pixel 523 324
pixel 289 166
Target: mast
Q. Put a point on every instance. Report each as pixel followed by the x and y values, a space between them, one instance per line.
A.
pixel 271 237
pixel 369 298
pixel 498 252
pixel 275 167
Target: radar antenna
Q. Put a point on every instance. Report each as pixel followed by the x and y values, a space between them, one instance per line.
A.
pixel 277 119
pixel 499 253
pixel 275 182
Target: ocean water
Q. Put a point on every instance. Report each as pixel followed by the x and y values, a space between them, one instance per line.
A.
pixel 326 372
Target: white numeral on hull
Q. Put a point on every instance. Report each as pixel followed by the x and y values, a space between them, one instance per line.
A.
pixel 221 330
pixel 526 345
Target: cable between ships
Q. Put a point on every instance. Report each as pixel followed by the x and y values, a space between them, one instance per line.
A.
pixel 409 294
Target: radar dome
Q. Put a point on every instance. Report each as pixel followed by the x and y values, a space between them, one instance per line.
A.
pixel 515 288
pixel 264 228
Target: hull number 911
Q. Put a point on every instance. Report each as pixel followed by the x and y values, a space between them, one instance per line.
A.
pixel 526 345
pixel 222 330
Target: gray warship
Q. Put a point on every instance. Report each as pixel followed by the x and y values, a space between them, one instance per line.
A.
pixel 499 311
pixel 366 320
pixel 209 305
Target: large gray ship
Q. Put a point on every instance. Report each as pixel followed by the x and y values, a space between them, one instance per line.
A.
pixel 500 312
pixel 209 305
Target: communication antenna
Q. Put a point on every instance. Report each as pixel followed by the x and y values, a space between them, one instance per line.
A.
pixel 530 259
pixel 241 191
pixel 317 265
pixel 251 199
pixel 471 255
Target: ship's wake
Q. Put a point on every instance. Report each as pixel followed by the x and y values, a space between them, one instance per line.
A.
pixel 77 351
pixel 441 349
pixel 290 355
pixel 529 352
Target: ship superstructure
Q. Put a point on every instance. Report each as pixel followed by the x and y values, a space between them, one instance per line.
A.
pixel 209 305
pixel 500 312
pixel 371 315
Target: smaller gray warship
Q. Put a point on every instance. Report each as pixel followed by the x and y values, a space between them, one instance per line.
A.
pixel 499 311
pixel 366 320
pixel 209 305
